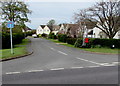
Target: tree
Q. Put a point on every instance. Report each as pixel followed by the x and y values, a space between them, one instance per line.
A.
pixel 107 16
pixel 51 23
pixel 15 11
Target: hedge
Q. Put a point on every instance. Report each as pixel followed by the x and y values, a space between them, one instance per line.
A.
pixel 93 42
pixel 17 38
pixel 62 38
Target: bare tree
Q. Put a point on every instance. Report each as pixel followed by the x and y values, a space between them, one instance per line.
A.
pixel 80 18
pixel 107 16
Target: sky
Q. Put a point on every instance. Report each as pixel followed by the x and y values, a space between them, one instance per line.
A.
pixel 60 11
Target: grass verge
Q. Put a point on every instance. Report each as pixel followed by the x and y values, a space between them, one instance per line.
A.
pixel 20 49
pixel 95 50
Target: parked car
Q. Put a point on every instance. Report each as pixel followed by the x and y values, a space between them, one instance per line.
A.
pixel 34 35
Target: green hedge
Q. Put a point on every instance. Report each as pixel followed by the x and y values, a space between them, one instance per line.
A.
pixel 95 42
pixel 62 37
pixel 106 42
pixel 17 38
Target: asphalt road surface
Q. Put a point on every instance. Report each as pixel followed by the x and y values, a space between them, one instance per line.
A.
pixel 52 63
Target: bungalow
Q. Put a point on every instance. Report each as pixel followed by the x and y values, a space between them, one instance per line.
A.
pixel 100 34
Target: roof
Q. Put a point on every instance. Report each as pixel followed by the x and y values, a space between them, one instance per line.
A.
pixel 89 25
pixel 73 27
pixel 27 28
pixel 42 26
pixel 56 27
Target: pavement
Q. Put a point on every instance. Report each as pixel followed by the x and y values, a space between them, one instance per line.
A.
pixel 57 64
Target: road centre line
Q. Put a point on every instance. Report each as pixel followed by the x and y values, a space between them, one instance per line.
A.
pixel 57 69
pixel 52 48
pixel 90 61
pixel 76 67
pixel 62 53
pixel 13 72
pixel 93 66
pixel 35 70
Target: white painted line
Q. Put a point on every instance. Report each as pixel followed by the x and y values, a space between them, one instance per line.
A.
pixel 62 53
pixel 52 48
pixel 57 69
pixel 12 73
pixel 35 70
pixel 115 62
pixel 88 61
pixel 76 67
pixel 109 65
pixel 93 66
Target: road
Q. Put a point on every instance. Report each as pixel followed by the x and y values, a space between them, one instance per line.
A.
pixel 57 64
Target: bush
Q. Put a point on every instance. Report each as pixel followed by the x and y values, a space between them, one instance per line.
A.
pixel 62 38
pixel 5 40
pixel 78 42
pixel 95 43
pixel 71 41
pixel 17 38
pixel 44 35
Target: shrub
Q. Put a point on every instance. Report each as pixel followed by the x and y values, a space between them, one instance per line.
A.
pixel 62 37
pixel 44 35
pixel 78 42
pixel 105 42
pixel 71 41
pixel 17 38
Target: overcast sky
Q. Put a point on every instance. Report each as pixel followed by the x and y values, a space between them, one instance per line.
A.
pixel 61 12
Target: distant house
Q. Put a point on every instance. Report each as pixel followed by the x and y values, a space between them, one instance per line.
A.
pixel 72 30
pixel 56 29
pixel 100 34
pixel 46 30
pixel 43 29
pixel 62 29
pixel 39 30
pixel 26 29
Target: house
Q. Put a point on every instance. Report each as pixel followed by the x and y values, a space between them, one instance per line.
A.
pixel 72 30
pixel 88 28
pixel 55 29
pixel 43 29
pixel 62 29
pixel 46 30
pixel 100 34
pixel 26 29
pixel 39 30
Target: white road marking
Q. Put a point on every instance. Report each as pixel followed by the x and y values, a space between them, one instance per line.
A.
pixel 116 62
pixel 93 66
pixel 52 48
pixel 89 61
pixel 57 69
pixel 35 70
pixel 62 53
pixel 76 67
pixel 12 72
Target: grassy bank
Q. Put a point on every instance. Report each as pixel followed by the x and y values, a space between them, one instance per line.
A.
pixel 96 50
pixel 19 49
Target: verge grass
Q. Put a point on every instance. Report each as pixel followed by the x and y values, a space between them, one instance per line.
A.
pixel 103 50
pixel 20 49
